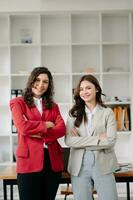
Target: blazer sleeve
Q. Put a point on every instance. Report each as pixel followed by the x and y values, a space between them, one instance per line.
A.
pixel 93 142
pixel 78 141
pixel 24 125
pixel 58 130
pixel 111 130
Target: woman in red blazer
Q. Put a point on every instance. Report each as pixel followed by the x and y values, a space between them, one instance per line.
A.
pixel 39 125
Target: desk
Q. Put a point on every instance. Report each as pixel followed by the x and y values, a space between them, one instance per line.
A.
pixel 8 175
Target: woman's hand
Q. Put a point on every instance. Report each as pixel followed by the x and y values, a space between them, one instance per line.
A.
pixel 38 136
pixel 49 124
pixel 74 132
pixel 103 136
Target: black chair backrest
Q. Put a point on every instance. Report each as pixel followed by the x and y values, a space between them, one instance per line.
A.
pixel 66 152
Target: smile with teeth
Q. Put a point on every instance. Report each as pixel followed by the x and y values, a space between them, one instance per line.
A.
pixel 40 90
pixel 86 96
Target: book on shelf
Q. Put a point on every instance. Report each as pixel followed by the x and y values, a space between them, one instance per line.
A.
pixel 15 93
pixel 122 116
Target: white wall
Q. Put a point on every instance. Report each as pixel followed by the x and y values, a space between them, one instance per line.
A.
pixel 44 5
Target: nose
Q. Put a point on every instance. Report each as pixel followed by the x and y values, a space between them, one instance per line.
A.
pixel 41 84
pixel 84 91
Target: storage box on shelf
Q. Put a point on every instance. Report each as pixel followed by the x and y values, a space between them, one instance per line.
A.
pixel 70 44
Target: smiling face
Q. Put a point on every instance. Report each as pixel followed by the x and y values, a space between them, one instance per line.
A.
pixel 87 92
pixel 40 85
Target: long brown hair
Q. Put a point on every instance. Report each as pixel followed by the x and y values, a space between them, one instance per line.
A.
pixel 78 109
pixel 47 96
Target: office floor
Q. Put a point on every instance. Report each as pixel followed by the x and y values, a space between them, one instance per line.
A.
pixel 58 197
pixel 71 198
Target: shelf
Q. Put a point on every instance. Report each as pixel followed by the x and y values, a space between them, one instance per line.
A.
pixel 5 90
pixel 5 134
pixel 24 58
pixel 85 58
pixel 24 27
pixel 64 109
pixel 55 29
pixel 85 28
pixel 118 82
pixel 18 82
pixel 5 127
pixel 4 60
pixel 118 102
pixel 124 133
pixel 57 58
pixel 116 58
pixel 71 44
pixel 115 27
pixel 4 32
pixel 63 95
pixel 4 149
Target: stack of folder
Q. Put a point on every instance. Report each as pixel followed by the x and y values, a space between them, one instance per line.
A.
pixel 122 117
pixel 124 167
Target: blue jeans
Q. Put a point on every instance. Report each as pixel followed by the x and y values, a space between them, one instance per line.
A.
pixel 89 178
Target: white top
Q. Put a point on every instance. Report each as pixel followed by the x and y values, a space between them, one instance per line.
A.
pixel 38 104
pixel 89 115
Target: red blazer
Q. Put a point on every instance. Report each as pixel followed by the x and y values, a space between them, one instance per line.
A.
pixel 28 121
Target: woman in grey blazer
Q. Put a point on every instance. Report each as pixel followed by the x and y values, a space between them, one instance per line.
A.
pixel 91 134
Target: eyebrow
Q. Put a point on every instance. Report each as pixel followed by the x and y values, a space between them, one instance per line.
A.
pixel 43 79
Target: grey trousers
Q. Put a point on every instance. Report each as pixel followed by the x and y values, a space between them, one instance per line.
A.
pixel 89 178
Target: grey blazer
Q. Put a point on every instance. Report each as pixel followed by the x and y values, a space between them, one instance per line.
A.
pixel 105 158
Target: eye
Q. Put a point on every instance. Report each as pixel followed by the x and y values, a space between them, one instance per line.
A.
pixel 46 81
pixel 88 88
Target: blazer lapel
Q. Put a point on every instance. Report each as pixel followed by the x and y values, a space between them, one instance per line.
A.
pixel 36 113
pixel 82 130
pixel 45 111
pixel 96 118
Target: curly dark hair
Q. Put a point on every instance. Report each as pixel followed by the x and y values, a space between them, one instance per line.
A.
pixel 78 109
pixel 47 96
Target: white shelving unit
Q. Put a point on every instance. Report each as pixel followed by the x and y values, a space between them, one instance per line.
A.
pixel 70 44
